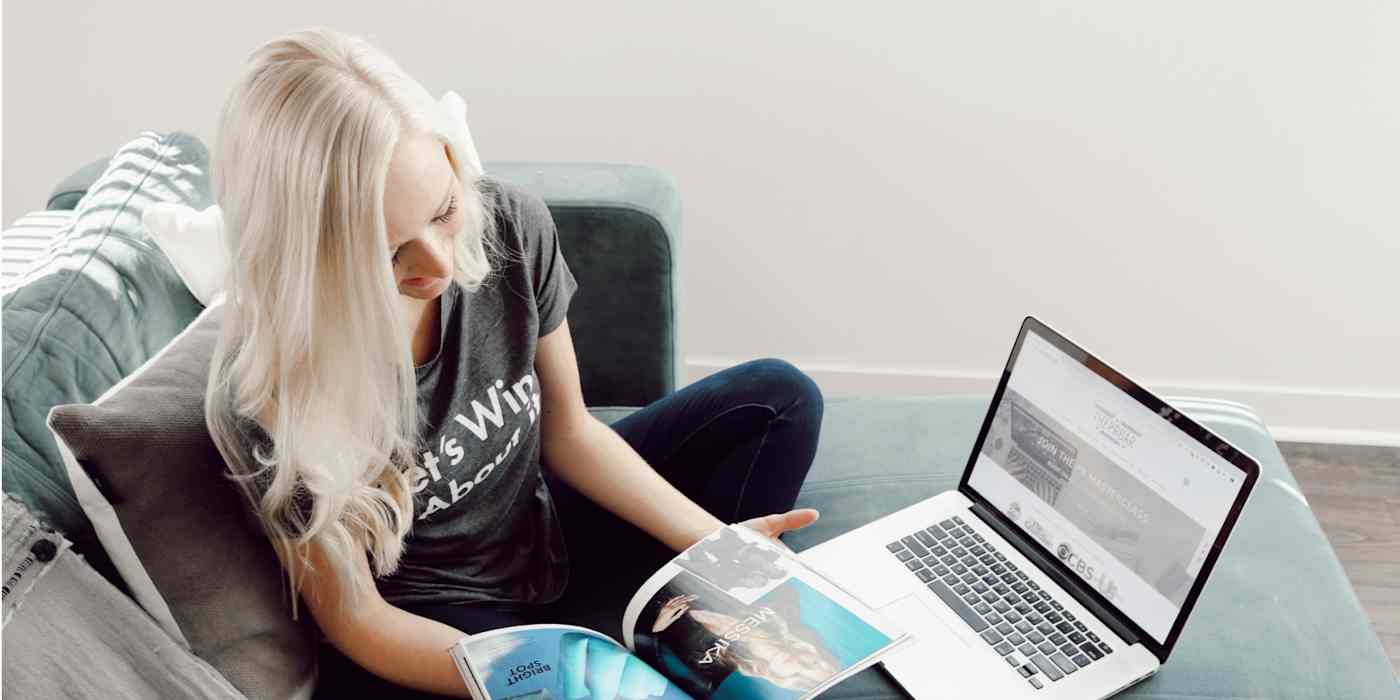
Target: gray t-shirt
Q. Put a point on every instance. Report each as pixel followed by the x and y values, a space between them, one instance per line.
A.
pixel 485 527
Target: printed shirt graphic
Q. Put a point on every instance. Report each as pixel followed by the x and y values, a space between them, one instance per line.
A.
pixel 485 527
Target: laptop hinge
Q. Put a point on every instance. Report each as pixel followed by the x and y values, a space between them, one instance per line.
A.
pixel 1075 587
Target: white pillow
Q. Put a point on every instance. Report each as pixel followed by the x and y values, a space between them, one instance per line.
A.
pixel 453 111
pixel 194 240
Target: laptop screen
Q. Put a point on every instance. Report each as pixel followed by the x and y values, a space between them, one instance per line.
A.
pixel 1126 500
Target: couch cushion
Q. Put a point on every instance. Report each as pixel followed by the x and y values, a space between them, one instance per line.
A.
pixel 176 527
pixel 100 306
pixel 1277 618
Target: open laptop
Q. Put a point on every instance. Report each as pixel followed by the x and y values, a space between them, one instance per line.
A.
pixel 1066 562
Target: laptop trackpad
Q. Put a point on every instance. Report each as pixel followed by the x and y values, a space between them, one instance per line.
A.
pixel 940 663
pixel 929 626
pixel 863 568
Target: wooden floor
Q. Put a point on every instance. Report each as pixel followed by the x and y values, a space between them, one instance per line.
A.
pixel 1355 492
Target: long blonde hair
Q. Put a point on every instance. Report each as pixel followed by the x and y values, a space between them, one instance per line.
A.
pixel 314 345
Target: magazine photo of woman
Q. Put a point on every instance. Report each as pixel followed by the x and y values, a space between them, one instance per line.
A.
pixel 713 644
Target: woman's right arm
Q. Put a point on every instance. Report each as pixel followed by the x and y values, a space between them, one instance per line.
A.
pixel 392 643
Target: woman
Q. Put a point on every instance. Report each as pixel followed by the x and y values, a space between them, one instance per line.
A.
pixel 396 389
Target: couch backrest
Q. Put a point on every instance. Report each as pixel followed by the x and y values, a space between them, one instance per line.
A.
pixel 620 230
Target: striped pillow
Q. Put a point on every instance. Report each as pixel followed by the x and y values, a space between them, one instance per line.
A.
pixel 27 244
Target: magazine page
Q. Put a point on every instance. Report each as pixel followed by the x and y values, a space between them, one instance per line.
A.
pixel 556 662
pixel 738 616
pixel 464 668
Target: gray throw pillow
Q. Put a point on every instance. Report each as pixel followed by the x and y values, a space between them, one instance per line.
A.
pixel 152 482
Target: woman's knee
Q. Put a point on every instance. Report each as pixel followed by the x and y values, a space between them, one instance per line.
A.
pixel 787 387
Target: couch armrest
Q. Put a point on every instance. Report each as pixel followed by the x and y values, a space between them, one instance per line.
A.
pixel 619 230
pixel 72 188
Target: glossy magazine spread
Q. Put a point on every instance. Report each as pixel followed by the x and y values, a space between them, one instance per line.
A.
pixel 736 616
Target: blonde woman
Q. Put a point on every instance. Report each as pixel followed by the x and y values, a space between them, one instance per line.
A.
pixel 396 389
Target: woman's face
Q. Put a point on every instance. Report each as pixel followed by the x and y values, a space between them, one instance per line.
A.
pixel 423 211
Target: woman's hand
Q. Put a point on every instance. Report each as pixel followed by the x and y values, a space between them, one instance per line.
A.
pixel 778 523
pixel 672 611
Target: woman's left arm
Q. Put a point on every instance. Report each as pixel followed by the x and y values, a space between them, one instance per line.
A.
pixel 592 458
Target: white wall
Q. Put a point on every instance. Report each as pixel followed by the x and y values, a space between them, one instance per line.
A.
pixel 1203 192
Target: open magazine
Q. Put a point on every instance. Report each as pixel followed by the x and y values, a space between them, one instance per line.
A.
pixel 736 616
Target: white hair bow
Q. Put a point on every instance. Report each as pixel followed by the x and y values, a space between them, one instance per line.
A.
pixel 454 116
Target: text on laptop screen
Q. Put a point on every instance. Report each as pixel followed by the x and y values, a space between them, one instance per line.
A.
pixel 1125 499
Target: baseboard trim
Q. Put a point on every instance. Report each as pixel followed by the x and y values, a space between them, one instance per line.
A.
pixel 1293 414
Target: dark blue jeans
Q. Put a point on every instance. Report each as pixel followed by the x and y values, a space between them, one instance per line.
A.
pixel 738 442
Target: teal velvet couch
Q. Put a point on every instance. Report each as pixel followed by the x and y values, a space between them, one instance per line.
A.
pixel 1278 619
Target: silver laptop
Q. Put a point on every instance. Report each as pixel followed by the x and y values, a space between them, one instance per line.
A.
pixel 1066 562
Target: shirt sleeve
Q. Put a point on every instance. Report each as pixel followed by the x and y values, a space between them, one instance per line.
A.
pixel 255 438
pixel 553 280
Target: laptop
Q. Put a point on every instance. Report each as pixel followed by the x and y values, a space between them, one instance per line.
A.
pixel 1066 562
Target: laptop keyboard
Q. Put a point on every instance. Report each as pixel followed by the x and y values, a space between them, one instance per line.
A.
pixel 1019 620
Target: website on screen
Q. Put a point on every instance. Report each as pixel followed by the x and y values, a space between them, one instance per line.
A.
pixel 1124 499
